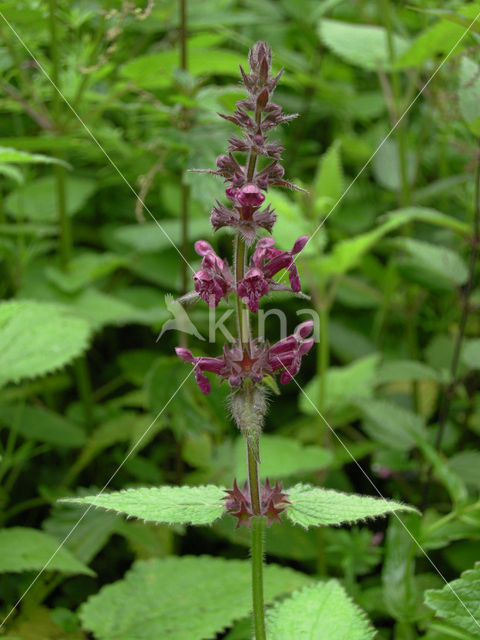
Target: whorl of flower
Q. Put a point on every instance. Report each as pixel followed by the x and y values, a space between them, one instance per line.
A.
pixel 235 364
pixel 273 500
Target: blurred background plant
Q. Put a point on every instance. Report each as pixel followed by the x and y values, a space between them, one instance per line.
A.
pixel 94 188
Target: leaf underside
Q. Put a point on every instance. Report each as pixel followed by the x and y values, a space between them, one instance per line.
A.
pixel 314 506
pixel 167 505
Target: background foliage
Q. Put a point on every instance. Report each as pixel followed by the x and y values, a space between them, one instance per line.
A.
pixel 88 276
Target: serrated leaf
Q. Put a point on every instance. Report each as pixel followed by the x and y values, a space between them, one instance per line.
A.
pixel 387 169
pixel 37 338
pixel 282 457
pixel 393 426
pixel 458 601
pixel 188 598
pixel 322 611
pixel 167 505
pixel 364 46
pixel 24 549
pixel 394 370
pixel 315 506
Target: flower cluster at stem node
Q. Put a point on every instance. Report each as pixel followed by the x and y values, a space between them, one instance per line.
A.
pixel 273 500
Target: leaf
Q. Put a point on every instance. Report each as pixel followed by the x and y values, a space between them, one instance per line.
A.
pixel 37 200
pixel 394 370
pixel 400 591
pixel 8 154
pixel 364 46
pixel 466 464
pixel 435 40
pixel 386 166
pixel 42 425
pixel 442 261
pixel 168 505
pixel 322 611
pixel 347 253
pixel 329 179
pixel 314 506
pixel 37 338
pixel 344 385
pixel 282 457
pixel 24 549
pixel 155 70
pixel 458 601
pixel 470 353
pixel 187 598
pixel 86 537
pixel 393 426
pixel 84 269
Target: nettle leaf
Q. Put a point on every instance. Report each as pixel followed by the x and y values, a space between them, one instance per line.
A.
pixel 37 338
pixel 282 457
pixel 188 598
pixel 37 200
pixel 322 611
pixel 314 506
pixel 329 182
pixel 458 601
pixel 364 46
pixel 168 505
pixel 386 166
pixel 392 426
pixel 24 549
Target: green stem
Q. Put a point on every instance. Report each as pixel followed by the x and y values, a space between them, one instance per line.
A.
pixel 257 578
pixel 257 548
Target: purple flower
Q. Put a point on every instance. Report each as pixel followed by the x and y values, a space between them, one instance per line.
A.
pixel 214 280
pixel 286 354
pixel 265 263
pixel 200 365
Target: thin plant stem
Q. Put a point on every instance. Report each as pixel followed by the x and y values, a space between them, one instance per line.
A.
pixel 449 392
pixel 257 578
pixel 256 548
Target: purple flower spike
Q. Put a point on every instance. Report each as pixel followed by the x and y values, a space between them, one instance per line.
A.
pixel 250 196
pixel 214 280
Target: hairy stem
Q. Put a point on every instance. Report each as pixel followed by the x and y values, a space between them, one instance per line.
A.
pixel 465 309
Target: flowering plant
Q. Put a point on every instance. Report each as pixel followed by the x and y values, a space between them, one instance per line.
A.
pixel 244 365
